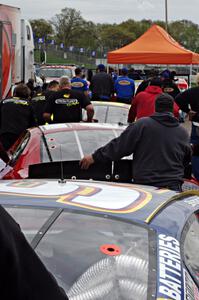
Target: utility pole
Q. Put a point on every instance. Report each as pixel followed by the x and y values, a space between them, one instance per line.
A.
pixel 166 16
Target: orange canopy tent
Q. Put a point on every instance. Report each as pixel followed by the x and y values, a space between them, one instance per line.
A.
pixel 155 46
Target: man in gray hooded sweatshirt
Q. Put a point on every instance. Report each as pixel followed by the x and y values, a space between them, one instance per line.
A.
pixel 159 144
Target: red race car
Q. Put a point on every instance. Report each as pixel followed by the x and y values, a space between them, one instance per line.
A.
pixel 57 142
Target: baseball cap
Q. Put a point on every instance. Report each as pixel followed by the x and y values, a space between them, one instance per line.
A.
pixel 101 67
pixel 164 103
pixel 124 71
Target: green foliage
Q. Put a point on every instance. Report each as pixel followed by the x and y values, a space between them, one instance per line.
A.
pixel 186 33
pixel 41 28
pixel 70 28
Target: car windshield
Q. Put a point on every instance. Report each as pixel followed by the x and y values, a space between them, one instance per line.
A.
pixel 97 257
pixel 26 217
pixel 110 114
pixel 19 146
pixel 73 145
pixel 55 72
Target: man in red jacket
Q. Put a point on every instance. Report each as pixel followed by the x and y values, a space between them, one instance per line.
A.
pixel 143 105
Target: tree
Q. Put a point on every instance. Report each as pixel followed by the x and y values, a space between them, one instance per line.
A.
pixel 68 25
pixel 186 33
pixel 113 36
pixel 41 28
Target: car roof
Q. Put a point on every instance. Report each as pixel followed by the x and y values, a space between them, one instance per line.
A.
pixel 127 201
pixel 113 104
pixel 79 126
pixel 57 67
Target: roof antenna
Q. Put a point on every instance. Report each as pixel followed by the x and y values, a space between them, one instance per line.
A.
pixel 61 180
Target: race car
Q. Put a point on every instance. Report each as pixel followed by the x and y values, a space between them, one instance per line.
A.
pixel 54 72
pixel 110 240
pixel 110 112
pixel 57 142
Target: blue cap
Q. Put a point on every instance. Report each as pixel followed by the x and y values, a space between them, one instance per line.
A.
pixel 101 67
pixel 166 74
pixel 124 71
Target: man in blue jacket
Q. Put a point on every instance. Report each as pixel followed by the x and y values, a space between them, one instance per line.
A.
pixel 79 84
pixel 124 87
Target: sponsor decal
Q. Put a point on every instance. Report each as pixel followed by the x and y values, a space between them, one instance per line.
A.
pixel 67 96
pixel 95 197
pixel 67 102
pixel 16 101
pixel 124 82
pixel 191 290
pixel 170 269
pixel 168 90
pixel 77 84
pixel 39 97
pixel 192 201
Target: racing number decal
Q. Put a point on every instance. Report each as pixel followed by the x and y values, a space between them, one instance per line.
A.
pixel 135 204
pixel 80 191
pixel 26 184
pixel 91 197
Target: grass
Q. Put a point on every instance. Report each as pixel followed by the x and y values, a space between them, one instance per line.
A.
pixel 57 59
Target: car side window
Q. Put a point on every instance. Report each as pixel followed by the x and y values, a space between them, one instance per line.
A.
pixel 117 115
pixel 30 219
pixel 190 246
pixel 19 146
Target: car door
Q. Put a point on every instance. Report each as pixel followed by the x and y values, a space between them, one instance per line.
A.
pixel 190 254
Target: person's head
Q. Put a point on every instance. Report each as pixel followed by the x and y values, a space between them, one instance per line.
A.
pixel 164 103
pixel 173 75
pixel 124 71
pixel 197 78
pixel 78 72
pixel 165 74
pixel 156 81
pixel 22 91
pixel 101 68
pixel 64 82
pixel 44 86
pixel 53 85
pixel 30 84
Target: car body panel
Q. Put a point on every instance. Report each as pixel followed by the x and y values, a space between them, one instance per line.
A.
pixel 162 211
pixel 48 142
pixel 110 112
pixel 139 204
pixel 50 72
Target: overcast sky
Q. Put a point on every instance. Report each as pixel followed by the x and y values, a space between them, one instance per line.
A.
pixel 111 11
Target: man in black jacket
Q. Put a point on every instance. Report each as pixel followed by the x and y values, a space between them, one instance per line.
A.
pixel 188 102
pixel 22 274
pixel 102 85
pixel 160 147
pixel 39 100
pixel 16 115
pixel 66 104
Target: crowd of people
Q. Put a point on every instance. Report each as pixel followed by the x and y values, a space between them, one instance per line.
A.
pixel 160 146
pixel 63 101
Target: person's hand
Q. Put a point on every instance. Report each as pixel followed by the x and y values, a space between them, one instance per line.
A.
pixel 191 114
pixel 86 162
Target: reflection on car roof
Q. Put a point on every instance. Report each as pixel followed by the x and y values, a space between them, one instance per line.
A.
pixel 127 201
pixel 76 126
pixel 116 104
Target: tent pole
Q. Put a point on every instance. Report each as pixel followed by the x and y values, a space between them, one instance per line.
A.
pixel 190 75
